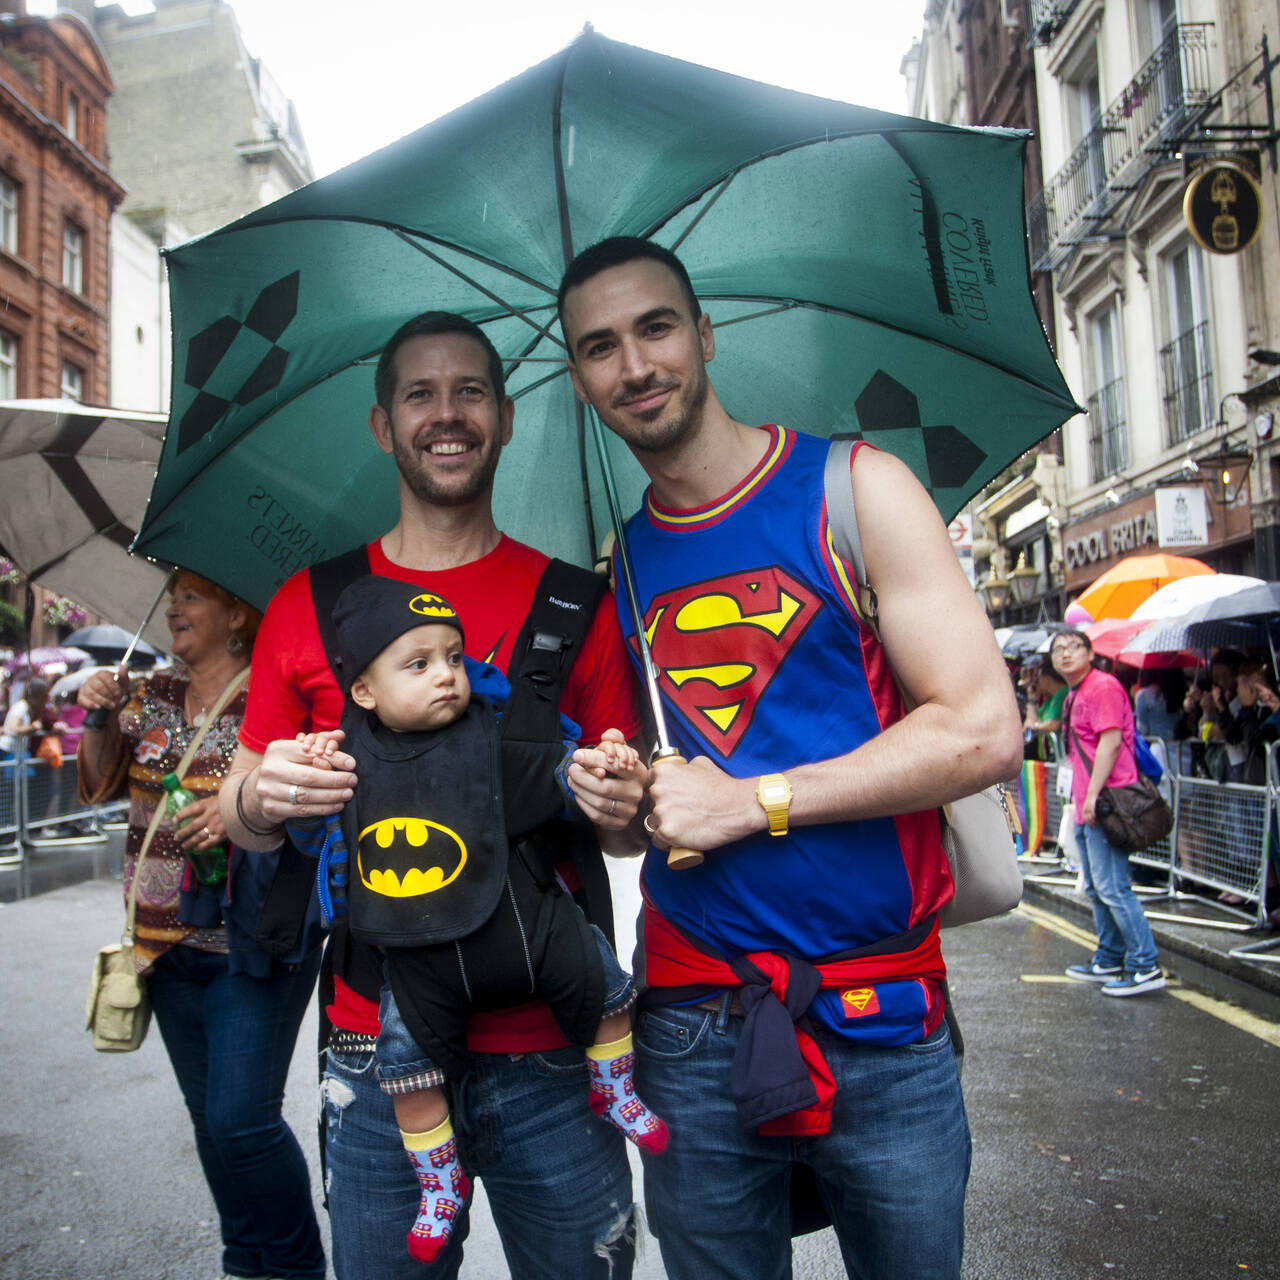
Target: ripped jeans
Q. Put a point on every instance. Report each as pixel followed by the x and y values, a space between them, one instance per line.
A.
pixel 556 1175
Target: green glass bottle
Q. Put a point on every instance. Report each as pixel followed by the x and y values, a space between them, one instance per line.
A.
pixel 210 865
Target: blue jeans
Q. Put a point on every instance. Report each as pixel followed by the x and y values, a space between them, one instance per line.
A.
pixel 1124 936
pixel 891 1173
pixel 400 1056
pixel 556 1175
pixel 230 1039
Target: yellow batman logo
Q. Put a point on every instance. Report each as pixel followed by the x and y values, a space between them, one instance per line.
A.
pixel 432 606
pixel 408 857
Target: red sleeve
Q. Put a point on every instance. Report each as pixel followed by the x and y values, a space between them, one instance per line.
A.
pixel 291 688
pixel 600 693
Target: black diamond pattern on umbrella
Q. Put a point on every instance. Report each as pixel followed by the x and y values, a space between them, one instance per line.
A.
pixel 951 458
pixel 256 336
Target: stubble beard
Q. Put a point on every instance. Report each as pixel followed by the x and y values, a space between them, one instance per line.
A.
pixel 463 491
pixel 660 435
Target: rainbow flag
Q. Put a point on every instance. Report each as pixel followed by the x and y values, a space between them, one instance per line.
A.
pixel 1032 805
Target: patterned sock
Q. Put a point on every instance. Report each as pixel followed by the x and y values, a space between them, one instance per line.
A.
pixel 613 1095
pixel 434 1157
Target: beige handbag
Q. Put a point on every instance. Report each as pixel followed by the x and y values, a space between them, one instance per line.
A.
pixel 118 1009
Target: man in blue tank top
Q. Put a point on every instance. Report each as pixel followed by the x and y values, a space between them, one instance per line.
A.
pixel 810 930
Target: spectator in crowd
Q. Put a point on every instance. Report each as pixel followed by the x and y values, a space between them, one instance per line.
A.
pixel 1043 718
pixel 1156 707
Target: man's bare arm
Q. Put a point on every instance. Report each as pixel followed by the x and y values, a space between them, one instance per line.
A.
pixel 964 732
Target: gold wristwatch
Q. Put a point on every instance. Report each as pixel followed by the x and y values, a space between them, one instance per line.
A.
pixel 774 793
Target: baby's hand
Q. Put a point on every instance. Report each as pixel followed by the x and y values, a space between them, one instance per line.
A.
pixel 621 759
pixel 319 746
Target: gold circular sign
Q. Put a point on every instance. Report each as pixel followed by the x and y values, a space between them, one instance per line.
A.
pixel 1223 208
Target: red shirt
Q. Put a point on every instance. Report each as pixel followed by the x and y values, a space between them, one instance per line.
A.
pixel 292 690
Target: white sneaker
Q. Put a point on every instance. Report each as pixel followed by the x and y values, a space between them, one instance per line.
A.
pixel 1134 984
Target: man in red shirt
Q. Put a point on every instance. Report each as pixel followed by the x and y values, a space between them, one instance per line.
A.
pixel 559 1188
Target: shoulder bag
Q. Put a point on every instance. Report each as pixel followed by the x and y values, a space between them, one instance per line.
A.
pixel 118 1008
pixel 1132 817
pixel 977 831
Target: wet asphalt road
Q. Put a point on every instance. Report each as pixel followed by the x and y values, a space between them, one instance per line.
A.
pixel 1132 1138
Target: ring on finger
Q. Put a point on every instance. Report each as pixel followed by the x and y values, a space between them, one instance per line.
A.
pixel 651 830
pixel 293 794
pixel 613 806
pixel 208 835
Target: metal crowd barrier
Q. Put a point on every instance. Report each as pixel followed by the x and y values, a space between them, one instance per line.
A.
pixel 1223 838
pixel 41 810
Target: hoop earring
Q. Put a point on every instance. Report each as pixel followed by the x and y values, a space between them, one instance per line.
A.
pixel 235 646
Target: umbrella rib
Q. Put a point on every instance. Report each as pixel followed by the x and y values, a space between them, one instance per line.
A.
pixel 702 213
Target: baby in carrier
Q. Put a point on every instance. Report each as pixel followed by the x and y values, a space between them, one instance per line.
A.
pixel 468 920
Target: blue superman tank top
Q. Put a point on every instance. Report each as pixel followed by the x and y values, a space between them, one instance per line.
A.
pixel 766 664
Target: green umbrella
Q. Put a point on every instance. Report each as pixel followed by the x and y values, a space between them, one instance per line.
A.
pixel 867 274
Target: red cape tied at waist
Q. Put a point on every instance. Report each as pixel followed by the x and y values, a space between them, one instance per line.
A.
pixel 781 1082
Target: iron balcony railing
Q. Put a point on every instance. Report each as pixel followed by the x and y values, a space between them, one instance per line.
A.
pixel 1170 91
pixel 1108 437
pixel 1045 18
pixel 1186 366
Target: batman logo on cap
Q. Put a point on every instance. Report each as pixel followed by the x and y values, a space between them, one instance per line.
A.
pixel 433 606
pixel 408 857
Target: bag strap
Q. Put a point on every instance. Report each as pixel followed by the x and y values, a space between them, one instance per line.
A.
pixel 329 579
pixel 229 691
pixel 842 522
pixel 549 642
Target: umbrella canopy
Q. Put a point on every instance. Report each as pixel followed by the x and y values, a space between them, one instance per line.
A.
pixel 107 641
pixel 42 658
pixel 868 275
pixel 1119 591
pixel 1174 599
pixel 1192 641
pixel 1112 635
pixel 1029 638
pixel 76 486
pixel 1261 601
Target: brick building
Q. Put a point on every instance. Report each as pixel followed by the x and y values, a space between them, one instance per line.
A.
pixel 56 200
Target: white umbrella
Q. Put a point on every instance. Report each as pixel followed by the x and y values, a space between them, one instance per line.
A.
pixel 77 481
pixel 1175 598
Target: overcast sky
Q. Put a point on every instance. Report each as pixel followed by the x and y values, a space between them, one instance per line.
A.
pixel 363 74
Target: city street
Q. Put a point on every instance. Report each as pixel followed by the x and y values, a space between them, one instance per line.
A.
pixel 1132 1137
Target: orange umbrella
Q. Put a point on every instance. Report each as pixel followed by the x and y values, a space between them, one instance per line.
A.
pixel 1119 591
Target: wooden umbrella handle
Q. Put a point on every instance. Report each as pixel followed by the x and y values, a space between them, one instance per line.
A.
pixel 678 859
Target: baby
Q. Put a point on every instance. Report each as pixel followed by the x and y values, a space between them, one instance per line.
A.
pixel 467 921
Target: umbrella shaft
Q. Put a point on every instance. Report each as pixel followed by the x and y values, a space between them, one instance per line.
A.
pixel 629 583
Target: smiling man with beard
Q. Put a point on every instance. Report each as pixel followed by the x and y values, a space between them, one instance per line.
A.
pixel 559 1190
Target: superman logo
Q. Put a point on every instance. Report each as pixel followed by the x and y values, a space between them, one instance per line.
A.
pixel 719 644
pixel 859 1002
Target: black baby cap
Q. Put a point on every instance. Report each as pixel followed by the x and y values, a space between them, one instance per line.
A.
pixel 373 611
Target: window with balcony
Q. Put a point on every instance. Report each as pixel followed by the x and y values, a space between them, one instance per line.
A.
pixel 72 257
pixel 8 214
pixel 8 367
pixel 72 381
pixel 1186 361
pixel 1108 426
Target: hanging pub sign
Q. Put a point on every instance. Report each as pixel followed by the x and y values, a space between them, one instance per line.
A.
pixel 1223 206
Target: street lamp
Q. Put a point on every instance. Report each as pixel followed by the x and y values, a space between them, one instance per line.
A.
pixel 994 590
pixel 1226 468
pixel 1024 580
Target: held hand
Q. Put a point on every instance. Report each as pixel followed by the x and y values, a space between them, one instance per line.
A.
pixel 698 806
pixel 201 824
pixel 105 689
pixel 288 785
pixel 1090 811
pixel 608 781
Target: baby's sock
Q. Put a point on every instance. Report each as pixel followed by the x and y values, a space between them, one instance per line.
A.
pixel 434 1157
pixel 613 1095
